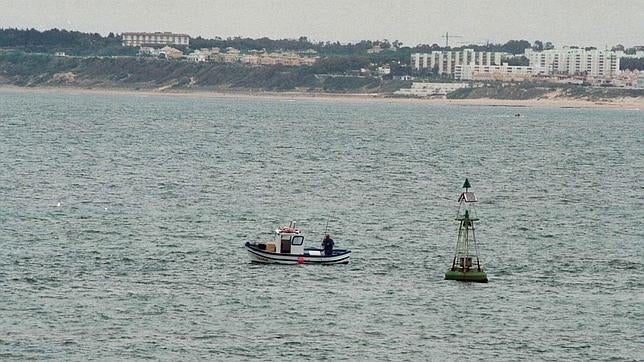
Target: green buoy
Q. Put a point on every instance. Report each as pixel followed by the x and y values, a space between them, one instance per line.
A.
pixel 466 265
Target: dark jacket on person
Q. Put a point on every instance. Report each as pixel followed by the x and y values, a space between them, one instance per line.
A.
pixel 327 244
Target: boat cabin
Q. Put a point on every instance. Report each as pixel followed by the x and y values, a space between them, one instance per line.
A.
pixel 288 240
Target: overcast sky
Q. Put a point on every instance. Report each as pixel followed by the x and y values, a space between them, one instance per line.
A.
pixel 564 22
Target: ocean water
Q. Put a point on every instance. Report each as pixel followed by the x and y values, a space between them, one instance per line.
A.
pixel 122 220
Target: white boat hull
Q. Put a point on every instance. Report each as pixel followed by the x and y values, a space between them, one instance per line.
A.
pixel 310 256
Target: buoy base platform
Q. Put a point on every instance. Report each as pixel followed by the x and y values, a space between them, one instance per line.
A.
pixel 468 276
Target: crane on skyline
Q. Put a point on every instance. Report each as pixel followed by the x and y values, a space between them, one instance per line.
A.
pixel 447 36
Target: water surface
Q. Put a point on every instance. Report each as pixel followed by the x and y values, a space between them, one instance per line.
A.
pixel 122 221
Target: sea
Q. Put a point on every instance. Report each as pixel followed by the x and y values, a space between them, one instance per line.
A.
pixel 123 218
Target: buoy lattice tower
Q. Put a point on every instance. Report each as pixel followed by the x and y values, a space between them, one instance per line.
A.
pixel 466 264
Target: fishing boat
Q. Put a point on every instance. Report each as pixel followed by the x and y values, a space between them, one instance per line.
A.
pixel 287 247
pixel 467 251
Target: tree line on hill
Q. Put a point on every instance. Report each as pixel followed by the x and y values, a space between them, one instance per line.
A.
pixel 631 63
pixel 70 42
pixel 85 43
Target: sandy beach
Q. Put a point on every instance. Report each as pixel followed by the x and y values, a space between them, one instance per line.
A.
pixel 546 102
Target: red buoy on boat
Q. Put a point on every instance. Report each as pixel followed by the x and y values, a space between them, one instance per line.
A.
pixel 300 259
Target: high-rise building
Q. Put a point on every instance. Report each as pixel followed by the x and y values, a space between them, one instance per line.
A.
pixel 446 61
pixel 575 61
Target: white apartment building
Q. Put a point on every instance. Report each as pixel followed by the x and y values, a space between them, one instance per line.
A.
pixel 575 61
pixel 503 72
pixel 158 38
pixel 446 61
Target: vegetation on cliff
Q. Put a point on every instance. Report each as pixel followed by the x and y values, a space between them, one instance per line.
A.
pixel 43 70
pixel 535 91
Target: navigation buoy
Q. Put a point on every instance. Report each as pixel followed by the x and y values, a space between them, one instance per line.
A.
pixel 466 265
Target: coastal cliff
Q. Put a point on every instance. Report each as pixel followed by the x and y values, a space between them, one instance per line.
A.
pixel 29 70
pixel 146 74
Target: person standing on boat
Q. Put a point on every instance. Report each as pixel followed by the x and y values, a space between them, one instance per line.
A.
pixel 327 244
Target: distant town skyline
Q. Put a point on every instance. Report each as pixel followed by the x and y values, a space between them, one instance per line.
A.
pixel 572 22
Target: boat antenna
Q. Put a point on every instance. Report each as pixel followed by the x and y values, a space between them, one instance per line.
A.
pixel 326 228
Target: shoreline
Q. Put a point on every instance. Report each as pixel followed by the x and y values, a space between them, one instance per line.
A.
pixel 617 103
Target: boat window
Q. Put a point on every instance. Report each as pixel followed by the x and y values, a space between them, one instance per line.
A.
pixel 286 237
pixel 298 240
